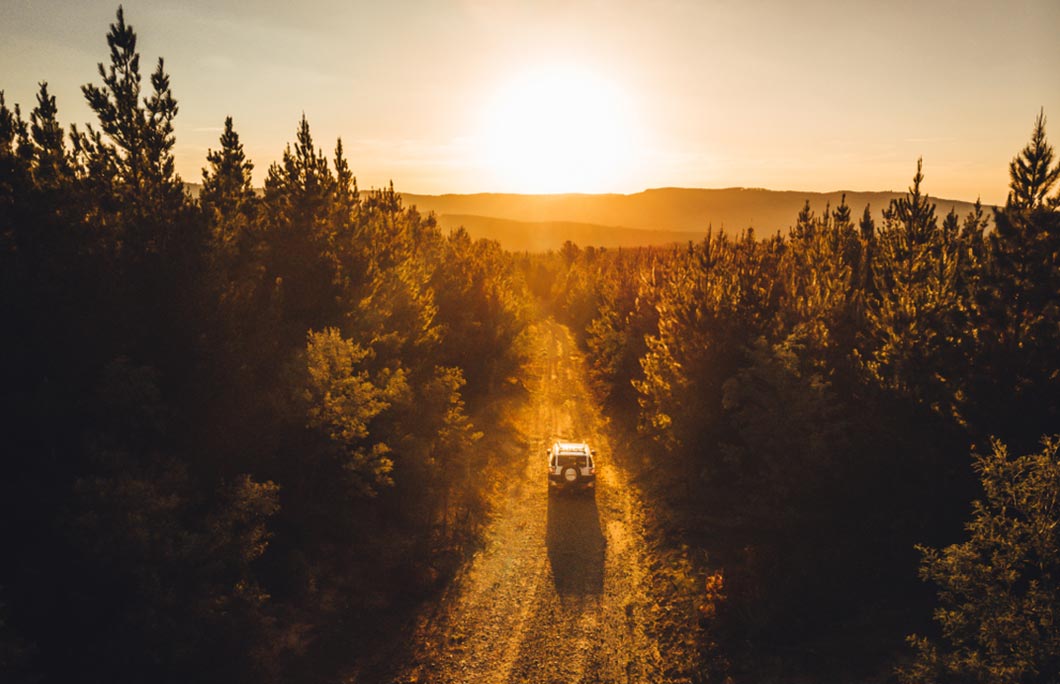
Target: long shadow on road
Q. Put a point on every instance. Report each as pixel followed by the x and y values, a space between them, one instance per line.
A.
pixel 575 543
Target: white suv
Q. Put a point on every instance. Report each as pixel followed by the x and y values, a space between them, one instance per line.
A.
pixel 571 466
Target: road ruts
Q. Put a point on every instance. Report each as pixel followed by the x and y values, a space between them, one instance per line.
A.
pixel 559 591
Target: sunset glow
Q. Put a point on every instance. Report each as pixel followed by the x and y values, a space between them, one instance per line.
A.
pixel 465 96
pixel 558 130
pixel 530 341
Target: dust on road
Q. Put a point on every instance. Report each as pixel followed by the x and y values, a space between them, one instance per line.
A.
pixel 563 589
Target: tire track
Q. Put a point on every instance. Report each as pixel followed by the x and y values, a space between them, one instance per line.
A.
pixel 559 593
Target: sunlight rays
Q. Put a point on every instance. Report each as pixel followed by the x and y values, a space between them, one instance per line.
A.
pixel 558 129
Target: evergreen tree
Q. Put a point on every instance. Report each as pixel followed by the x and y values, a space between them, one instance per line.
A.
pixel 805 223
pixel 914 324
pixel 841 214
pixel 911 218
pixel 346 183
pixel 300 239
pixel 867 253
pixel 975 224
pixel 1000 590
pixel 1021 310
pixel 51 163
pixel 867 225
pixel 9 127
pixel 1032 172
pixel 139 132
pixel 343 400
pixel 14 167
pixel 301 184
pixel 226 184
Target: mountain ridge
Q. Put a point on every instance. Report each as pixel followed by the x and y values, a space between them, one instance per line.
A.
pixel 677 209
pixel 656 216
pixel 541 236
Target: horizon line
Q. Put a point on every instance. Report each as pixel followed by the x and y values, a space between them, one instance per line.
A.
pixel 480 193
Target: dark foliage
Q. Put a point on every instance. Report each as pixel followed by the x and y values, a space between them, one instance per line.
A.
pixel 240 428
pixel 237 429
pixel 812 399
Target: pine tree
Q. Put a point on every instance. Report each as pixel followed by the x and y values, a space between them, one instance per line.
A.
pixel 131 156
pixel 226 184
pixel 1032 173
pixel 343 399
pixel 805 224
pixel 8 127
pixel 14 168
pixel 999 591
pixel 230 205
pixel 913 215
pixel 345 182
pixel 914 317
pixel 298 238
pixel 973 251
pixel 385 200
pixel 51 164
pixel 302 183
pixel 1021 309
pixel 951 224
pixel 866 234
pixel 867 225
pixel 141 132
pixel 841 214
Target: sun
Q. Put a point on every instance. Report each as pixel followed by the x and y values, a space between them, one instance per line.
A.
pixel 559 129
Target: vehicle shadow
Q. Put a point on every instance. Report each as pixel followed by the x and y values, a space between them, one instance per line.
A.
pixel 575 543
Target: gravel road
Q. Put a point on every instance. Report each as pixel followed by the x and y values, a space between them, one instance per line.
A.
pixel 567 586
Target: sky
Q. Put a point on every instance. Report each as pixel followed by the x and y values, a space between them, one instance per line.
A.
pixel 579 96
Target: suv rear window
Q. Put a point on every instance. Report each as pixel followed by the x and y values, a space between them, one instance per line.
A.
pixel 566 460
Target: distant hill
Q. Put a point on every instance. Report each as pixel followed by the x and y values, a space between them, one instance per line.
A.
pixel 541 236
pixel 653 217
pixel 677 212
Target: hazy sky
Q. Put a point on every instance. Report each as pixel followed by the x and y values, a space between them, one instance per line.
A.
pixel 468 95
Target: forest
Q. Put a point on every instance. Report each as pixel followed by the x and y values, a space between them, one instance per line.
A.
pixel 248 433
pixel 824 412
pixel 238 429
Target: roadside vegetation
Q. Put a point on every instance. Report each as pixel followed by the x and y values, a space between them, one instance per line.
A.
pixel 240 432
pixel 811 407
pixel 247 434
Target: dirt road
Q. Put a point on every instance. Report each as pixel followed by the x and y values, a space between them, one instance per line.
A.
pixel 567 587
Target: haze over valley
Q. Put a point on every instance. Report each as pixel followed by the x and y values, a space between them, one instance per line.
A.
pixel 653 217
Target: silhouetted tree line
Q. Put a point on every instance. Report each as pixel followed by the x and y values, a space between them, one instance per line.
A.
pixel 808 403
pixel 237 429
